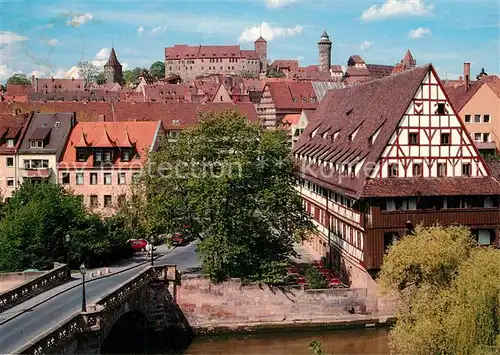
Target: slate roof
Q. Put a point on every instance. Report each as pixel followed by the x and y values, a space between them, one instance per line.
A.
pixel 368 107
pixel 141 135
pixel 59 125
pixel 321 88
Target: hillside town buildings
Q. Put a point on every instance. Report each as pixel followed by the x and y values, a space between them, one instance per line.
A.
pixel 380 157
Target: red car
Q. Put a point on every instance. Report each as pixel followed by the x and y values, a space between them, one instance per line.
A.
pixel 138 244
pixel 176 239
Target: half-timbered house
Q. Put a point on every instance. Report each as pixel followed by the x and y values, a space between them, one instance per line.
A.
pixel 380 157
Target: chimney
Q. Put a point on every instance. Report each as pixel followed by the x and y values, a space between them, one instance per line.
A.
pixel 467 75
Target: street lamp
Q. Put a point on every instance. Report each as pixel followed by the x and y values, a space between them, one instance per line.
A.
pixel 83 271
pixel 151 240
pixel 67 238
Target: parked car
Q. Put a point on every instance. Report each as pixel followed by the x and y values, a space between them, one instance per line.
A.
pixel 177 239
pixel 139 244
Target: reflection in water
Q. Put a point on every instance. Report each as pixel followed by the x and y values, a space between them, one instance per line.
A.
pixel 361 341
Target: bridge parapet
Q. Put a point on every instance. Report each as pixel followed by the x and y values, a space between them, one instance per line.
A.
pixel 31 288
pixel 84 332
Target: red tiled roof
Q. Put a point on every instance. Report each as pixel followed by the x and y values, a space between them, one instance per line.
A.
pixel 141 133
pixel 168 92
pixel 459 96
pixel 353 71
pixel 186 113
pixel 379 71
pixel 12 127
pixel 293 95
pixel 377 105
pixel 449 186
pixel 18 89
pixel 494 166
pixel 52 85
pixel 182 51
pixel 291 118
pixel 286 64
pixel 336 68
pixel 355 59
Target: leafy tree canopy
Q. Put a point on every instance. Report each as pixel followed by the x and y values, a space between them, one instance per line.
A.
pixel 100 78
pixel 274 73
pixel 38 217
pixel 157 70
pixel 449 292
pixel 18 79
pixel 88 71
pixel 131 77
pixel 231 183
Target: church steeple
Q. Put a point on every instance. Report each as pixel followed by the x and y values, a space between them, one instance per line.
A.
pixel 113 69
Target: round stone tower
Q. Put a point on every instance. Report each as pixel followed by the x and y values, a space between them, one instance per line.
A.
pixel 325 53
pixel 261 50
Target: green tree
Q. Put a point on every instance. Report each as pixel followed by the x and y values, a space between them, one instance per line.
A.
pixel 38 217
pixel 232 183
pixel 316 348
pixel 449 292
pixel 131 77
pixel 18 79
pixel 248 75
pixel 88 71
pixel 100 78
pixel 274 73
pixel 157 70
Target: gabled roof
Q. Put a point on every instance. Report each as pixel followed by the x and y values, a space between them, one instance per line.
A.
pixel 105 140
pixel 13 126
pixel 59 124
pixel 460 97
pixel 293 95
pixel 260 39
pixel 355 59
pixel 366 107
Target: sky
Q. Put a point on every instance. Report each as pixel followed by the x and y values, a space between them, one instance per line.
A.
pixel 48 38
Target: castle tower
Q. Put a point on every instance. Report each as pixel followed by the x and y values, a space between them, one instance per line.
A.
pixel 261 50
pixel 113 69
pixel 325 53
pixel 409 61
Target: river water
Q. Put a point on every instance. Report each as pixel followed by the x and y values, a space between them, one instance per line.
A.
pixel 372 341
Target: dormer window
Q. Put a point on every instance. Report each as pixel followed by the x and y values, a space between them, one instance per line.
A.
pixel 36 143
pixel 10 143
pixel 80 155
pixel 126 155
pixel 335 135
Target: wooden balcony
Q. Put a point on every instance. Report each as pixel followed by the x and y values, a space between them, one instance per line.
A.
pixel 473 217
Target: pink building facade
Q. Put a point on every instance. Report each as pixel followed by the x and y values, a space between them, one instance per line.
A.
pixel 102 159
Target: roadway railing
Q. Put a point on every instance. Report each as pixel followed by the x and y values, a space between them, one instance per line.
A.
pixel 33 287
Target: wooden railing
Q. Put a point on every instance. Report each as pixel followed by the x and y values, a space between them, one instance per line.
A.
pixel 33 287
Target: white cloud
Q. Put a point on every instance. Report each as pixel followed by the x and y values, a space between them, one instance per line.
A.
pixel 157 30
pixel 101 57
pixel 140 30
pixel 5 73
pixel 43 71
pixel 51 42
pixel 78 20
pixel 365 45
pixel 278 3
pixel 300 58
pixel 268 32
pixel 419 32
pixel 395 8
pixel 7 37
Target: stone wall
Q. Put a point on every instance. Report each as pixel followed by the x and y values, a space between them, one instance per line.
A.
pixel 230 303
pixel 10 280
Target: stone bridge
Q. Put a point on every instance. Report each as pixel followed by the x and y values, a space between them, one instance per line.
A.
pixel 151 292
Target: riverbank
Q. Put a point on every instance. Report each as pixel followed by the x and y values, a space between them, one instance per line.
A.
pixel 329 323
